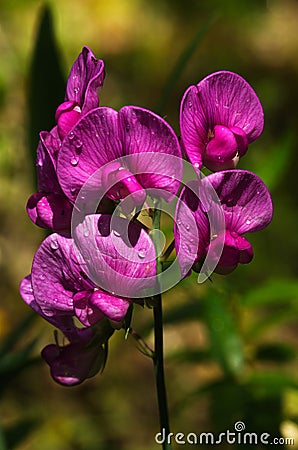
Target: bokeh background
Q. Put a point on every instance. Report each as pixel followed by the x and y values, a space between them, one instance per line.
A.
pixel 231 345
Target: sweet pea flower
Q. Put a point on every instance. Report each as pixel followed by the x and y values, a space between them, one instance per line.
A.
pixel 246 205
pixel 219 117
pixel 82 358
pixel 59 279
pixel 49 207
pixel 130 146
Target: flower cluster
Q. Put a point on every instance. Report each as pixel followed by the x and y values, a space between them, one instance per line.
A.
pixel 87 273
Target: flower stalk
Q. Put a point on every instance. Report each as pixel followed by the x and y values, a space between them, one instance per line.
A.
pixel 158 356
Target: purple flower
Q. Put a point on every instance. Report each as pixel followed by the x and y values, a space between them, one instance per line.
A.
pixel 105 135
pixel 80 359
pixel 219 117
pixel 246 205
pixel 66 281
pixel 49 207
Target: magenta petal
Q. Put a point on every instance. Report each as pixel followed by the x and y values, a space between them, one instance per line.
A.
pixel 148 139
pixel 51 211
pixel 67 115
pixel 56 275
pixel 72 364
pixel 245 200
pixel 119 255
pixel 194 126
pixel 87 313
pixel 63 322
pixel 85 78
pixel 222 148
pixel 229 100
pixel 223 98
pixel 93 142
pixel 115 308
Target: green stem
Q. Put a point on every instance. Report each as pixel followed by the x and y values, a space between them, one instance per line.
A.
pixel 158 358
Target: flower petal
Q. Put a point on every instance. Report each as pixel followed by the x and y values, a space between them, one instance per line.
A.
pixel 63 322
pixel 151 142
pixel 93 142
pixel 56 275
pixel 222 98
pixel 245 200
pixel 85 78
pixel 119 255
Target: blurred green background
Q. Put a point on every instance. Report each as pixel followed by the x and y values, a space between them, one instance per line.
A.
pixel 231 346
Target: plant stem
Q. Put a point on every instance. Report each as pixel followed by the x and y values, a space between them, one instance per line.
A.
pixel 158 358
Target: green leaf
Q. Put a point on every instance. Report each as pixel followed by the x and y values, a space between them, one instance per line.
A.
pixel 46 81
pixel 189 356
pixel 17 432
pixel 272 292
pixel 16 334
pixel 225 340
pixel 271 383
pixel 277 352
pixel 181 64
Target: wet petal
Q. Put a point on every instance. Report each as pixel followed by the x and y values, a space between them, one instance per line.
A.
pixel 56 275
pixel 63 322
pixel 92 143
pixel 119 255
pixel 151 141
pixel 85 78
pixel 223 98
pixel 51 211
pixel 245 200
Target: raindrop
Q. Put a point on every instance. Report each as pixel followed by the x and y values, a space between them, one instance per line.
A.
pixel 74 161
pixel 39 162
pixel 54 245
pixel 41 277
pixel 116 233
pixel 248 222
pixel 142 253
pixel 86 232
pixel 71 135
pixel 187 227
pixel 76 90
pixel 190 105
pixel 78 143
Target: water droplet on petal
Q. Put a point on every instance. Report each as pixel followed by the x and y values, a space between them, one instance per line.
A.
pixel 41 277
pixel 54 244
pixel 187 227
pixel 76 90
pixel 39 162
pixel 71 135
pixel 116 233
pixel 248 222
pixel 78 143
pixel 74 161
pixel 142 253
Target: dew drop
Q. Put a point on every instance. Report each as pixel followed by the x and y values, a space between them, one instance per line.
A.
pixel 78 143
pixel 39 162
pixel 142 253
pixel 86 232
pixel 116 233
pixel 74 161
pixel 41 277
pixel 187 227
pixel 76 90
pixel 54 244
pixel 190 105
pixel 248 222
pixel 71 135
